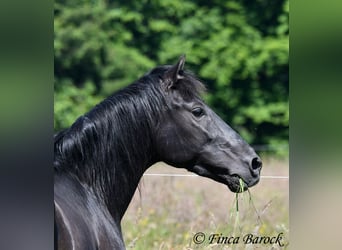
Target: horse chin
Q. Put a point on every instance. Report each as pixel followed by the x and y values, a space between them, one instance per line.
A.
pixel 231 181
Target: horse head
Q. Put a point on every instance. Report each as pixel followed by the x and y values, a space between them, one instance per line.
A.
pixel 192 136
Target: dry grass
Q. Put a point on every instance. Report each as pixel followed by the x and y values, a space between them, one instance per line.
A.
pixel 168 211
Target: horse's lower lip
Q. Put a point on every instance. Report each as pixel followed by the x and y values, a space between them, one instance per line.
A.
pixel 234 185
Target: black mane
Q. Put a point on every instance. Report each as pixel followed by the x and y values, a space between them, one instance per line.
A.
pixel 110 136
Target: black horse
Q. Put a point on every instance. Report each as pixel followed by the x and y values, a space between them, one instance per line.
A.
pixel 100 159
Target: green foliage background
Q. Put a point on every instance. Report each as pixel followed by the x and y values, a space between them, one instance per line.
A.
pixel 238 48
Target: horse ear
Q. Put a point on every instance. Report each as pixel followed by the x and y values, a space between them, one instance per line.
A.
pixel 173 74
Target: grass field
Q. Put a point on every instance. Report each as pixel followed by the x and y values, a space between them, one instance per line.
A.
pixel 168 211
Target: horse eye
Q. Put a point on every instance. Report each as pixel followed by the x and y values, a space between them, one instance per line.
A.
pixel 198 112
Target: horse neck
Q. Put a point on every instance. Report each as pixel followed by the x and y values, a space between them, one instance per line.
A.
pixel 132 150
pixel 128 170
pixel 115 146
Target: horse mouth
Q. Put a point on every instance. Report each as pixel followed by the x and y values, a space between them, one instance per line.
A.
pixel 234 182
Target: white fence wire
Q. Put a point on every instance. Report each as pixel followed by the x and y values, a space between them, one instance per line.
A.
pixel 193 175
pixel 258 148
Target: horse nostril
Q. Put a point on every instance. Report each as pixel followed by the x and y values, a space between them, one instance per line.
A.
pixel 256 163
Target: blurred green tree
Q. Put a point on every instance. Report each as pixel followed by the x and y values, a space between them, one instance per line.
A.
pixel 238 48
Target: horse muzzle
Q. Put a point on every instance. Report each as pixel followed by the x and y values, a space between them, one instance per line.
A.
pixel 238 179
